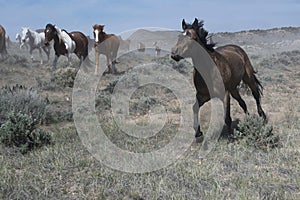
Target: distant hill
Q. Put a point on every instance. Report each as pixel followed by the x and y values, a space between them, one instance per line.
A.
pixel 268 41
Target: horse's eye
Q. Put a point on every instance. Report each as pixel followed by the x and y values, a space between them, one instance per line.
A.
pixel 187 33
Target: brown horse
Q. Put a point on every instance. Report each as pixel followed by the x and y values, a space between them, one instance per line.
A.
pixel 106 44
pixel 233 64
pixel 66 43
pixel 3 51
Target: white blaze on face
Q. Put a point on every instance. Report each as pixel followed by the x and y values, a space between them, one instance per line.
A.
pixel 96 35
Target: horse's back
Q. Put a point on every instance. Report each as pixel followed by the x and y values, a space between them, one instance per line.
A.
pixel 232 51
pixel 115 41
pixel 238 62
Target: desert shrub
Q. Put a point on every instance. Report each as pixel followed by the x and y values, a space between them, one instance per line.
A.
pixel 61 78
pixel 256 133
pixel 56 115
pixel 17 60
pixel 64 77
pixel 20 99
pixel 20 130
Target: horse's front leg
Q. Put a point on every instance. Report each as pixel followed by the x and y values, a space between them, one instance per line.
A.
pixel 30 52
pixel 41 55
pixel 69 59
pixel 96 59
pixel 47 51
pixel 196 108
pixel 55 61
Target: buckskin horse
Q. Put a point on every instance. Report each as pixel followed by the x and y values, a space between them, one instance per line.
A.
pixel 66 43
pixel 233 64
pixel 3 51
pixel 106 44
pixel 35 39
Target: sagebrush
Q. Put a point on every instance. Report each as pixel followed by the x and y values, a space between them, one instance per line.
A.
pixel 21 131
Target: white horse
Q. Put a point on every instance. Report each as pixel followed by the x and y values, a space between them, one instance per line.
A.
pixel 20 42
pixel 70 44
pixel 35 41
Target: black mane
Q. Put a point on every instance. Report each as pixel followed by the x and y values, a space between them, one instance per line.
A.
pixel 203 36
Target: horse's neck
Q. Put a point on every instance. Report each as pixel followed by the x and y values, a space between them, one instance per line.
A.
pixel 31 38
pixel 103 36
pixel 56 39
pixel 209 72
pixel 203 64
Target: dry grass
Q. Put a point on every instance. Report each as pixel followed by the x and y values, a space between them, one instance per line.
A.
pixel 66 170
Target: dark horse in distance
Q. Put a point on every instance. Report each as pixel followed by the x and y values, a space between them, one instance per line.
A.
pixel 232 63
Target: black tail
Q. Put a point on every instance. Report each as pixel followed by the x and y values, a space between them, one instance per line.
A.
pixel 259 85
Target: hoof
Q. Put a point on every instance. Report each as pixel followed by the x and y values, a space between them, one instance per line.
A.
pixel 199 136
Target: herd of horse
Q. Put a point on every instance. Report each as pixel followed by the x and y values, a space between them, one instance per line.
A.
pixel 232 61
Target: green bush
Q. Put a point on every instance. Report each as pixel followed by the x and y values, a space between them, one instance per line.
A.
pixel 20 130
pixel 64 77
pixel 255 132
pixel 20 99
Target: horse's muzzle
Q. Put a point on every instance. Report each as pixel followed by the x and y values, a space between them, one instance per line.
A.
pixel 46 43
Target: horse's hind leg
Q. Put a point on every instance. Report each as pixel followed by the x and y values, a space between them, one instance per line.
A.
pixel 228 119
pixel 236 95
pixel 256 88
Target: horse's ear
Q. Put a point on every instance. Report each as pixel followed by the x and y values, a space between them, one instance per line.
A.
pixel 94 26
pixel 195 24
pixel 183 25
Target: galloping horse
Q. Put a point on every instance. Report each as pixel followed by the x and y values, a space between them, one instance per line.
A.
pixel 35 40
pixel 20 42
pixel 233 64
pixel 66 43
pixel 106 44
pixel 3 51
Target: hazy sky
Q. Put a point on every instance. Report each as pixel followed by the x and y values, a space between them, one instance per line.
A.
pixel 122 15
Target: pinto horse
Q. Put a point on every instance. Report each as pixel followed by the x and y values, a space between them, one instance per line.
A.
pixel 107 44
pixel 35 40
pixel 233 64
pixel 66 43
pixel 3 51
